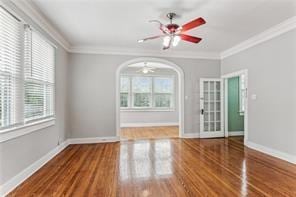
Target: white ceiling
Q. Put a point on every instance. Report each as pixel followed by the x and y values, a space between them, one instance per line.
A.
pixel 119 24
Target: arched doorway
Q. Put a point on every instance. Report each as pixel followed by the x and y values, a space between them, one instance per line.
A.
pixel 180 85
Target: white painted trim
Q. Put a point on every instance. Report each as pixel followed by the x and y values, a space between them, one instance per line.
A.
pixel 268 34
pixel 246 119
pixel 154 109
pixel 15 132
pixel 215 134
pixel 235 133
pixel 181 94
pixel 140 52
pixel 32 11
pixel 26 173
pixel 234 74
pixel 190 135
pixel 226 133
pixel 93 140
pixel 273 152
pixel 149 124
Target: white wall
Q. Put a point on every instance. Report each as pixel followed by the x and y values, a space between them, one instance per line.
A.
pixel 92 92
pixel 272 77
pixel 137 117
pixel 19 153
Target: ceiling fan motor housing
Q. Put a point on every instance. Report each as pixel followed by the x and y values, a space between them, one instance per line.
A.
pixel 172 27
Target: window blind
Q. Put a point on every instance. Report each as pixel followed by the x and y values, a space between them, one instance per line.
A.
pixel 142 91
pixel 39 76
pixel 11 75
pixel 27 62
pixel 163 92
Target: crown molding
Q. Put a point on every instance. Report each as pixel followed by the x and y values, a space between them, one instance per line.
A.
pixel 268 34
pixel 141 52
pixel 30 9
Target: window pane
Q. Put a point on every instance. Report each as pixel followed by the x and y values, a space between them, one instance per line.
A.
pixel 5 103
pixel 141 84
pixel 142 100
pixel 124 84
pixel 49 95
pixel 163 100
pixel 163 85
pixel 123 99
pixel 34 100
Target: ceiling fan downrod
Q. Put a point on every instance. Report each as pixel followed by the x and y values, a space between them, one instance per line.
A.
pixel 171 15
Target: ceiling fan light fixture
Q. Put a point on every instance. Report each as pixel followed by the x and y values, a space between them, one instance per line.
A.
pixel 140 41
pixel 145 70
pixel 176 40
pixel 166 41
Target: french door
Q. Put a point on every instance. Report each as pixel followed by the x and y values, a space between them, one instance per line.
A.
pixel 211 108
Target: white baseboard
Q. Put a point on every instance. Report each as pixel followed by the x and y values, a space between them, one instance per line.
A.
pixel 278 154
pixel 156 124
pixel 235 133
pixel 93 140
pixel 26 173
pixel 190 135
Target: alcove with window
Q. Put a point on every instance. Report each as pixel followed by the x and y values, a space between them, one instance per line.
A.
pixel 149 101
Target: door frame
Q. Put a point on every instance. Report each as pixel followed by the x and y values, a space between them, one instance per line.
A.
pixel 181 90
pixel 225 78
pixel 216 133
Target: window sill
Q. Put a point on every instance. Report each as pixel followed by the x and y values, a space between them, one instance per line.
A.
pixel 147 110
pixel 15 132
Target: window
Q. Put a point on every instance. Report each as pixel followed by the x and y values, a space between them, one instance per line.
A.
pixel 147 92
pixel 124 91
pixel 26 73
pixel 39 77
pixel 142 89
pixel 163 92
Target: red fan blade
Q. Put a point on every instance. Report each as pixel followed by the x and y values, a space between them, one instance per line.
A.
pixel 150 38
pixel 190 38
pixel 195 23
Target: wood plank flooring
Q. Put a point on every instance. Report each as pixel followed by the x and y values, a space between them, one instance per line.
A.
pixel 134 133
pixel 163 167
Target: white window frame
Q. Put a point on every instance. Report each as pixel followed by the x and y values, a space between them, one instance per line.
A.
pixel 131 106
pixel 44 84
pixel 10 132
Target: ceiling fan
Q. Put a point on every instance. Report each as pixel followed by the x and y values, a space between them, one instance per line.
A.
pixel 146 69
pixel 173 33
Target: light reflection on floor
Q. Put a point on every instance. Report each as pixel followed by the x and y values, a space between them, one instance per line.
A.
pixel 145 159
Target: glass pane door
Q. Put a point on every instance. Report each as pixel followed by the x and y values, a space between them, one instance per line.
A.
pixel 210 104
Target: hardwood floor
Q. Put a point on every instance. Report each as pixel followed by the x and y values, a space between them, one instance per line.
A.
pixel 163 167
pixel 133 133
